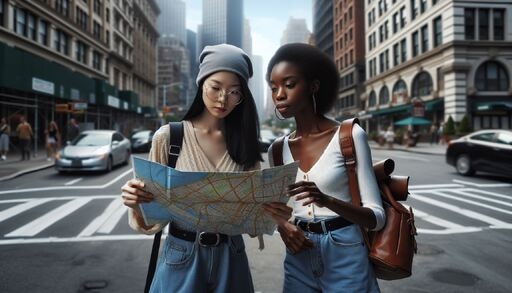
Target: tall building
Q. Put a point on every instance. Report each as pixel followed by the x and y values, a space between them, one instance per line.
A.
pixel 452 58
pixel 144 50
pixel 223 22
pixel 257 85
pixel 323 25
pixel 247 38
pixel 349 54
pixel 172 20
pixel 68 58
pixel 296 31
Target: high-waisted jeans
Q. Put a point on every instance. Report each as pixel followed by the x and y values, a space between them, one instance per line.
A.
pixel 338 262
pixel 185 266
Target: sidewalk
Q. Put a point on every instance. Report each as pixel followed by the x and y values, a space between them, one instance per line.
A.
pixel 420 148
pixel 14 167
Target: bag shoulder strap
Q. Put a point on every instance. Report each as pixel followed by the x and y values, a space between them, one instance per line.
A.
pixel 349 154
pixel 277 151
pixel 175 143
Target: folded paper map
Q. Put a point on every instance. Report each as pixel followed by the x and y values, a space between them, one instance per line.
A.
pixel 223 202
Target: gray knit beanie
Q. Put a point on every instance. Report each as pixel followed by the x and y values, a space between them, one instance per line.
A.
pixel 224 57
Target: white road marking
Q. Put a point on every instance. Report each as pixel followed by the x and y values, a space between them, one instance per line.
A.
pixel 17 209
pixel 105 222
pixel 73 181
pixel 432 186
pixel 464 212
pixel 67 187
pixel 43 222
pixel 482 185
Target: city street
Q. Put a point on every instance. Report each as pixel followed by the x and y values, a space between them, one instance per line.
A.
pixel 69 233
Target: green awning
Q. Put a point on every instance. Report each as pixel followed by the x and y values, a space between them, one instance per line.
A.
pixel 489 106
pixel 433 105
pixel 391 110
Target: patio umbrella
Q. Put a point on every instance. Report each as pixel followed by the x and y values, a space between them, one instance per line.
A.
pixel 413 121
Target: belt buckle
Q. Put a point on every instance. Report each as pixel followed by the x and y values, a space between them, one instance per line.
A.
pixel 307 227
pixel 206 245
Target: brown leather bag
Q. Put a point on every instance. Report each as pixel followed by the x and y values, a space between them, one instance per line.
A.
pixel 392 248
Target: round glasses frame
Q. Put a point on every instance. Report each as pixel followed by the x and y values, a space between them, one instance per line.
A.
pixel 213 93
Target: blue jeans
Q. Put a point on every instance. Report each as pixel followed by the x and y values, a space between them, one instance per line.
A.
pixel 186 266
pixel 338 262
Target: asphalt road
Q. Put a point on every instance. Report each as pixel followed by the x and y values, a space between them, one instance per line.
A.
pixel 70 234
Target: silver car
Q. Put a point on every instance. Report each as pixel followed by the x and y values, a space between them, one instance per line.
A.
pixel 94 150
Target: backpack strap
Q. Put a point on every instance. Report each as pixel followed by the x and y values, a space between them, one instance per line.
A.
pixel 349 154
pixel 277 151
pixel 175 143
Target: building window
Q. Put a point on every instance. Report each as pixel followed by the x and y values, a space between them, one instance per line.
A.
pixel 20 24
pixel 415 44
pixel 491 76
pixel 424 38
pixel 422 85
pixel 469 23
pixel 61 42
pixel 384 96
pixel 62 7
pixel 483 24
pixel 97 7
pixel 81 52
pixel 498 21
pixel 96 60
pixel 414 9
pixel 381 62
pixel 396 54
pixel 438 31
pixel 403 20
pixel 372 99
pixel 81 18
pixel 399 92
pixel 96 30
pixel 423 6
pixel 403 50
pixel 396 22
pixel 2 8
pixel 43 32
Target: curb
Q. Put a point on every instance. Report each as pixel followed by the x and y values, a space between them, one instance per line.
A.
pixel 26 171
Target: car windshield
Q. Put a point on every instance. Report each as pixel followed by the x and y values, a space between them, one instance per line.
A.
pixel 92 139
pixel 141 134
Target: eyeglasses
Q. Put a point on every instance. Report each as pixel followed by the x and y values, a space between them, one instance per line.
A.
pixel 214 92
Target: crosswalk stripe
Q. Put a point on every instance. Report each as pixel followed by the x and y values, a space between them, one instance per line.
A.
pixel 99 221
pixel 17 209
pixel 109 225
pixel 48 219
pixel 445 195
pixel 464 212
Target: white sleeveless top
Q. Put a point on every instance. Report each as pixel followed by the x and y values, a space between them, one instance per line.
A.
pixel 330 175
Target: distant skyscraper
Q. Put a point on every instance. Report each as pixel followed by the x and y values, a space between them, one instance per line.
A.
pixel 223 22
pixel 172 19
pixel 247 38
pixel 257 85
pixel 296 31
pixel 323 25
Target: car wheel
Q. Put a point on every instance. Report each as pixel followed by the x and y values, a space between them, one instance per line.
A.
pixel 463 165
pixel 108 168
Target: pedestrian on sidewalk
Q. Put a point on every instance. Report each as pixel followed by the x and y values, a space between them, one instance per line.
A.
pixel 53 140
pixel 73 130
pixel 325 248
pixel 220 135
pixel 390 137
pixel 5 131
pixel 434 134
pixel 24 131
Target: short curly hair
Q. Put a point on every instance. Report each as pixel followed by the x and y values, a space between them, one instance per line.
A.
pixel 314 65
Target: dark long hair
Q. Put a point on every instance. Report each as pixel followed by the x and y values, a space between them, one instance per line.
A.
pixel 241 125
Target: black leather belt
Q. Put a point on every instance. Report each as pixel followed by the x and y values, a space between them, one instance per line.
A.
pixel 204 239
pixel 317 227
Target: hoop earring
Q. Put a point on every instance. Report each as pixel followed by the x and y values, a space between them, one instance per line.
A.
pixel 278 115
pixel 314 103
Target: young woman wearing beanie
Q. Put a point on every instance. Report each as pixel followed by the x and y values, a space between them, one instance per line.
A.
pixel 325 247
pixel 220 134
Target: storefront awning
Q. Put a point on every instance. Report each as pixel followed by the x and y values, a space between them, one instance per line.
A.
pixel 489 106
